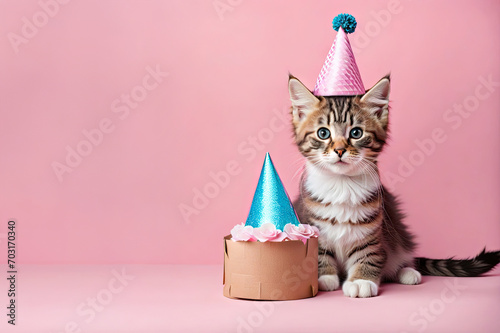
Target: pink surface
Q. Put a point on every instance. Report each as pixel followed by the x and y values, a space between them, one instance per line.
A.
pixel 189 299
pixel 91 78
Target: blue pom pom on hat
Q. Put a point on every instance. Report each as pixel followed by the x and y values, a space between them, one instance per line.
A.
pixel 346 21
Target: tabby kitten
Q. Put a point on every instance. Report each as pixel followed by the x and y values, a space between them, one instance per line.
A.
pixel 363 240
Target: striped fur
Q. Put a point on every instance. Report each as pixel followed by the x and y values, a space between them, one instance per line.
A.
pixel 363 240
pixel 480 264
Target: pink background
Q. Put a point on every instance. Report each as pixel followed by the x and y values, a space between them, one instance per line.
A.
pixel 227 84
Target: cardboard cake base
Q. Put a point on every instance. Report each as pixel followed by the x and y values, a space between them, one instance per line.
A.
pixel 270 270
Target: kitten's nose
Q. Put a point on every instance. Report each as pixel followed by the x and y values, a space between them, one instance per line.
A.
pixel 339 151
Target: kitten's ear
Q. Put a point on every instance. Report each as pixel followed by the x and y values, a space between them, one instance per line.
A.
pixel 377 99
pixel 303 100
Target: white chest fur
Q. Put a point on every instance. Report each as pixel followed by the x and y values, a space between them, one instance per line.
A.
pixel 342 197
pixel 340 237
pixel 343 194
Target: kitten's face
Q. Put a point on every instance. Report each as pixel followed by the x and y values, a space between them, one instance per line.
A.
pixel 340 134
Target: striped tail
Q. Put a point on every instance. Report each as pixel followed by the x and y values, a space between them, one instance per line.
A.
pixel 482 263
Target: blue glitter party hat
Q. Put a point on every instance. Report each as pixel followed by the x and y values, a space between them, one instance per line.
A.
pixel 270 201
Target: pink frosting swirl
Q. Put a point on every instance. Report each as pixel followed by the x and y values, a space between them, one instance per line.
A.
pixel 244 233
pixel 268 232
pixel 301 232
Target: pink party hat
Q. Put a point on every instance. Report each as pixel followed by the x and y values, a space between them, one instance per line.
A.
pixel 340 74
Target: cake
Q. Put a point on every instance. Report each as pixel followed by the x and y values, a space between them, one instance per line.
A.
pixel 271 256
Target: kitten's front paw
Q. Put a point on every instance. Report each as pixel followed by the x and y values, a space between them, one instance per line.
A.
pixel 328 282
pixel 360 288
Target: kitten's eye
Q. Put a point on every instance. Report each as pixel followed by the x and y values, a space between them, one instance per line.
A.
pixel 323 133
pixel 356 133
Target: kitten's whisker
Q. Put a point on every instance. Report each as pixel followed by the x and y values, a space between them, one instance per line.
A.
pixel 299 171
